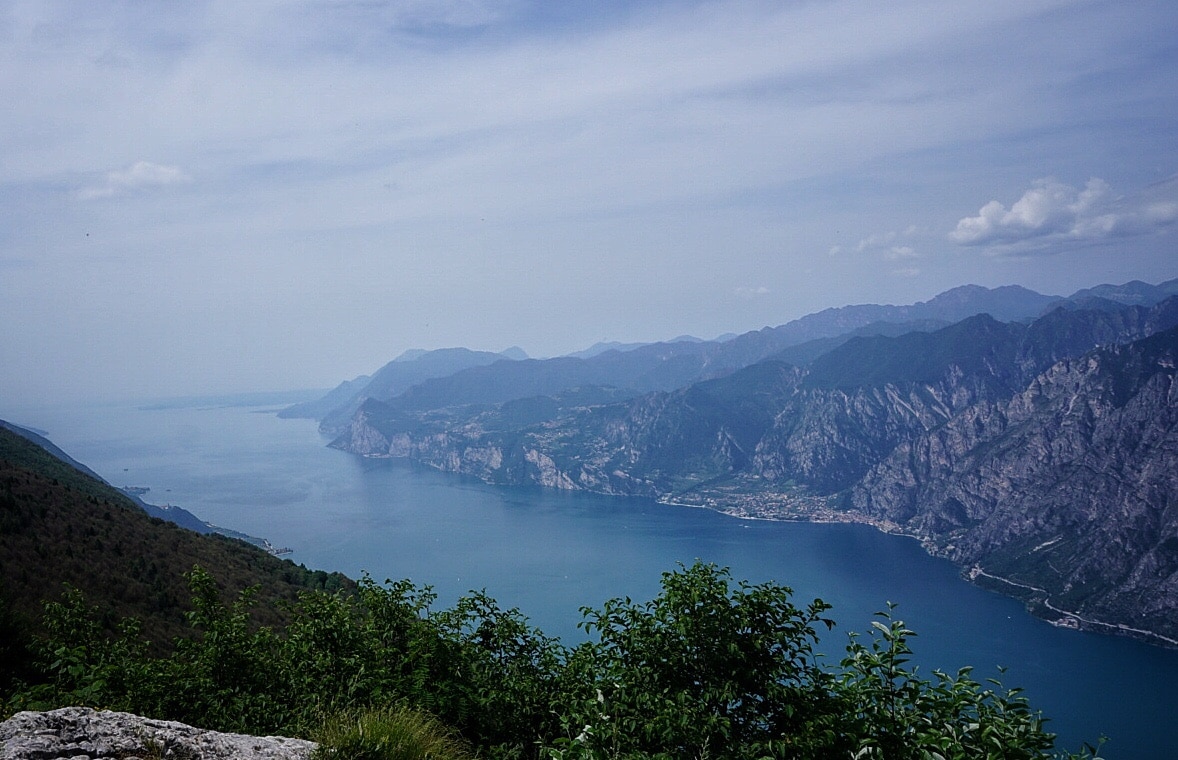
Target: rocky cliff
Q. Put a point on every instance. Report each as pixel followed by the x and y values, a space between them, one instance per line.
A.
pixel 1068 491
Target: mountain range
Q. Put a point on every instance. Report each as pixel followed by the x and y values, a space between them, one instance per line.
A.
pixel 1029 438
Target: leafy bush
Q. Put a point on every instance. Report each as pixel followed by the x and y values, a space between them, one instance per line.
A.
pixel 703 670
pixel 894 714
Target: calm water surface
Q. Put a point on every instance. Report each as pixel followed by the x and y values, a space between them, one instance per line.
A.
pixel 550 553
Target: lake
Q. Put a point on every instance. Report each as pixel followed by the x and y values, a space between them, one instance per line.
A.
pixel 549 553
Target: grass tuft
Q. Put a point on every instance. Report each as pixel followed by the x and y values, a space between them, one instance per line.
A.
pixel 391 733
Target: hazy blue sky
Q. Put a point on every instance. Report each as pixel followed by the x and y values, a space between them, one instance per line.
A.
pixel 216 196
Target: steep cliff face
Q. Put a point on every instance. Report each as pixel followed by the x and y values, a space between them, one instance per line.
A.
pixel 825 439
pixel 1069 487
pixel 362 437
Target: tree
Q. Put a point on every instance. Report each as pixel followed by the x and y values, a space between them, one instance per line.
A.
pixel 707 669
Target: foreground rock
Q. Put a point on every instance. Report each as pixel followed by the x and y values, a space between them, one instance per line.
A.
pixel 80 733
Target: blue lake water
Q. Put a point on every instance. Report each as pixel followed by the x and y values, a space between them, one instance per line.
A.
pixel 550 553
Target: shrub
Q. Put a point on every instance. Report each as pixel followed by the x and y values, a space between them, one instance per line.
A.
pixel 707 669
pixel 393 733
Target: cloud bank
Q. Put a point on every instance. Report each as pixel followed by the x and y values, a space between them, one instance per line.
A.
pixel 1052 214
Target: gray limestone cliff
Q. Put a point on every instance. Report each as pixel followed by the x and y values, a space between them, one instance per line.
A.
pixel 1065 494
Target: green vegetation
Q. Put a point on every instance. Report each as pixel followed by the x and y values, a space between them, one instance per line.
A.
pixel 711 668
pixel 391 733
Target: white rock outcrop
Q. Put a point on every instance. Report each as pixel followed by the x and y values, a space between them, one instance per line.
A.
pixel 80 733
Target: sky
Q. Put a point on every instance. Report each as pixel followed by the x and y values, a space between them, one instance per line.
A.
pixel 211 197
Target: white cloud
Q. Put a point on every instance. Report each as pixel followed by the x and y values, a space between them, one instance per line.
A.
pixel 1163 212
pixel 900 253
pixel 891 245
pixel 875 241
pixel 1052 213
pixel 139 175
pixel 751 292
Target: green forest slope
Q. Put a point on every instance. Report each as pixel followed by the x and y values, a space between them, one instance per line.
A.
pixel 60 526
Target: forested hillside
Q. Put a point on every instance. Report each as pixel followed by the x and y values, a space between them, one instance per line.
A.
pixel 61 526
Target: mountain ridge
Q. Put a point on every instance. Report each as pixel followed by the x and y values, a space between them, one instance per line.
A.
pixel 403 372
pixel 645 367
pixel 641 368
pixel 776 440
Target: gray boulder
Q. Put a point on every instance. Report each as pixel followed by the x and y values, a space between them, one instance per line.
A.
pixel 80 733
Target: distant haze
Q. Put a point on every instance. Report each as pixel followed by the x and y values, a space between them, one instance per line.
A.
pixel 215 196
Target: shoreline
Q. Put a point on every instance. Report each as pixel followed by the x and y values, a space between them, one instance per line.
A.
pixel 1070 619
pixel 1064 618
